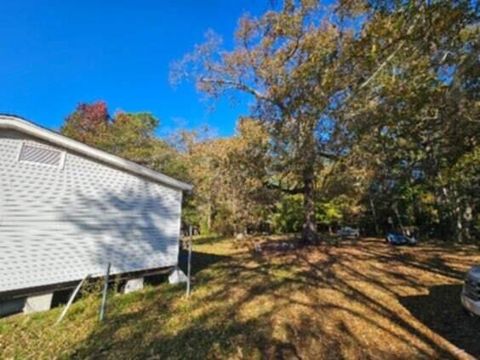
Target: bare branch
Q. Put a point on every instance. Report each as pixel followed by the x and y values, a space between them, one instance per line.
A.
pixel 327 155
pixel 236 85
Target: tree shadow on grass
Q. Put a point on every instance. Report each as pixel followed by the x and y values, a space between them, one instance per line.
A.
pixel 143 315
pixel 442 312
pixel 242 302
pixel 428 257
pixel 216 332
pixel 200 260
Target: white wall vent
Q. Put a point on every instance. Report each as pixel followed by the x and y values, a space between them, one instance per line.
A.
pixel 41 155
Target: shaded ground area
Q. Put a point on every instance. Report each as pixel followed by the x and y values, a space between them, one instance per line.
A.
pixel 442 312
pixel 351 300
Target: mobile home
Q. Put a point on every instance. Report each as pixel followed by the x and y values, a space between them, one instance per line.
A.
pixel 67 210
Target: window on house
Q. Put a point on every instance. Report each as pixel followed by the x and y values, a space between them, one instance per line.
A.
pixel 41 155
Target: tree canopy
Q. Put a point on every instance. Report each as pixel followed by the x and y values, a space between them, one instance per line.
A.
pixel 363 113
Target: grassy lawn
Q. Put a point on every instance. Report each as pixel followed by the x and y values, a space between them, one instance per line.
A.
pixel 351 300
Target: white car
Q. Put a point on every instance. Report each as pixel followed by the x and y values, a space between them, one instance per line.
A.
pixel 348 231
pixel 471 291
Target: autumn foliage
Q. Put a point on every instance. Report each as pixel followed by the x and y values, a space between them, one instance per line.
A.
pixel 364 113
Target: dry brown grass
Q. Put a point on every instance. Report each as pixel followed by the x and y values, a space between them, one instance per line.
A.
pixel 352 300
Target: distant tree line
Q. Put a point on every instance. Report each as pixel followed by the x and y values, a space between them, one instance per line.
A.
pixel 364 113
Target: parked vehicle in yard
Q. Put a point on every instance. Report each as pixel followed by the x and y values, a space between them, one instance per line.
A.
pixel 394 238
pixel 348 231
pixel 470 296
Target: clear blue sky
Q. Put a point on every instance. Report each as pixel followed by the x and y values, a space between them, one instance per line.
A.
pixel 56 54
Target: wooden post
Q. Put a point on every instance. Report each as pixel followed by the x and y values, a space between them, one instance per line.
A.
pixel 190 235
pixel 104 295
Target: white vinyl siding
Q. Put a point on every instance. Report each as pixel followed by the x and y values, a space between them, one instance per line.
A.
pixel 59 223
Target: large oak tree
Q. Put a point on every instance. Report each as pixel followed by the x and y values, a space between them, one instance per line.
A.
pixel 287 61
pixel 298 63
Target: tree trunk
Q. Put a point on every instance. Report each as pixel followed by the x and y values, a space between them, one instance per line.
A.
pixel 374 213
pixel 458 217
pixel 399 219
pixel 209 216
pixel 309 228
